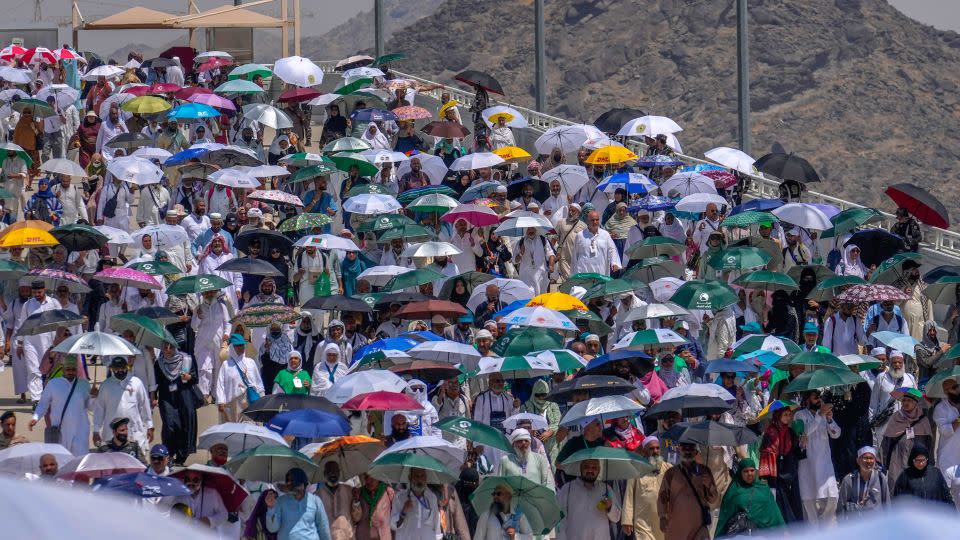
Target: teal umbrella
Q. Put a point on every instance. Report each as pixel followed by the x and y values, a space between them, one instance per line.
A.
pixel 823 378
pixel 147 332
pixel 653 268
pixel 892 270
pixel 369 189
pixel 655 246
pixel 615 463
pixel 249 71
pixel 595 325
pixel 408 233
pixel 934 387
pixel 395 468
pixel 704 294
pixel 478 432
pixel 12 270
pixel 155 268
pixel 810 359
pixel 583 279
pixel 849 219
pixel 765 280
pixel 311 172
pixel 270 463
pixel 470 278
pixel 828 288
pixel 198 284
pixel 611 288
pixel 525 340
pixel 384 223
pixel 535 501
pixel 346 144
pixel 413 278
pixel 748 218
pixel 239 87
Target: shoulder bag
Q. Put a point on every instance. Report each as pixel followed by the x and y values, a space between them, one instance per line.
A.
pixel 51 434
pixel 252 394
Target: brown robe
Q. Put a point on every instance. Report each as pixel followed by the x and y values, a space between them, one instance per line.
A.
pixel 678 506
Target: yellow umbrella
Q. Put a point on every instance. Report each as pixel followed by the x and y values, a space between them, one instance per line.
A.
pixel 28 237
pixel 610 154
pixel 448 105
pixel 558 301
pixel 512 153
pixel 507 117
pixel 27 224
pixel 146 105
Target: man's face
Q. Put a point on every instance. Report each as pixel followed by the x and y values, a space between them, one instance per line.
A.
pixel 502 498
pixel 711 211
pixel 461 226
pixel 331 472
pixel 652 449
pixel 952 389
pixel 336 332
pixel 555 188
pixel 48 465
pixel 159 463
pixel 688 452
pixel 39 294
pixel 200 208
pixel 496 383
pixel 593 430
pixel 399 423
pixel 810 338
pixel 867 462
pixel 896 362
pixel 415 165
pixel 193 481
pixel 418 478
pixel 121 432
pixel 9 426
pixel 114 114
pixel 593 221
pixel 589 470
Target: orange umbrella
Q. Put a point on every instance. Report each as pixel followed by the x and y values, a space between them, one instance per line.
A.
pixel 353 453
pixel 512 153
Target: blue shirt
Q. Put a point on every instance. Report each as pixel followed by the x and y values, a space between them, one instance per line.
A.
pixel 206 236
pixel 305 519
pixel 319 205
pixel 874 310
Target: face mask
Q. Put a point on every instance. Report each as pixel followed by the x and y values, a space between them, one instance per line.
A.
pixel 122 439
pixel 120 374
pixel 499 507
pixel 332 483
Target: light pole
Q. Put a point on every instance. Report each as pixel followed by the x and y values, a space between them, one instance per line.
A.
pixel 378 26
pixel 743 77
pixel 541 57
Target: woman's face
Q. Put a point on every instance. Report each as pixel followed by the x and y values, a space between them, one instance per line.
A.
pixel 147 241
pixel 294 363
pixel 908 404
pixel 748 475
pixel 786 418
pixel 854 254
pixel 460 288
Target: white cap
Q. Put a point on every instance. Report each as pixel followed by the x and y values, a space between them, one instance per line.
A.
pixel 484 334
pixel 575 205
pixel 896 354
pixel 519 434
pixel 500 189
pixel 255 213
pixel 877 351
pixel 533 204
pixel 216 215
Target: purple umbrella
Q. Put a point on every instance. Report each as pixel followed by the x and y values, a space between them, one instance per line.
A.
pixel 213 100
pixel 127 276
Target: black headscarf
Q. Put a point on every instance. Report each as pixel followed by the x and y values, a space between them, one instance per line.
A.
pixel 926 483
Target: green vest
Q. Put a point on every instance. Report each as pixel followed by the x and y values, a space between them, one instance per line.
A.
pixel 285 380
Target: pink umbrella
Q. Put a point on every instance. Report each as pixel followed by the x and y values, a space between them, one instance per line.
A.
pixel 220 480
pixel 721 179
pixel 276 197
pixel 213 100
pixel 164 88
pixel 127 276
pixel 92 466
pixel 474 214
pixel 215 63
pixel 136 90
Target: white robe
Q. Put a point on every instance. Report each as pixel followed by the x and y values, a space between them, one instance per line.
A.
pixel 194 225
pixel 489 527
pixel 154 200
pixel 209 265
pixel 533 268
pixel 583 521
pixel 883 386
pixel 501 137
pixel 229 383
pixel 219 202
pixel 123 399
pixel 27 378
pixel 75 423
pixel 467 259
pixel 449 270
pixel 108 310
pixel 210 323
pixel 421 523
pixel 842 336
pixel 816 477
pixel 948 452
pixel 109 131
pixel 594 253
pixel 73 206
pixel 121 216
pixel 322 371
pixel 207 504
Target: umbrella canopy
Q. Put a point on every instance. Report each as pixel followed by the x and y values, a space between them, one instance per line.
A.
pixel 850 219
pixel 615 463
pixel 63 166
pixel 511 117
pixel 612 120
pixel 474 214
pixel 649 338
pixel 304 222
pixel 142 484
pixel 567 138
pixel 395 468
pixel 431 249
pixel 600 408
pixel 514 367
pixel 147 332
pixel 371 204
pixel 263 315
pixel 521 341
pixel 688 183
pixel 894 269
pixel 610 155
pixel 896 340
pixel 218 479
pixel 428 308
pixel 594 385
pixel 96 344
pixel 352 454
pixel 828 288
pixel 478 432
pixel 778 345
pixel 450 352
pixel 239 436
pixel 365 382
pixel 732 158
pixel 479 79
pixel 19 459
pixel 338 302
pixel 251 266
pixel 696 399
pixel 823 378
pixel 803 215
pixel 765 280
pixel 269 463
pixel 267 115
pixel 704 294
pixel 558 301
pixel 56 278
pixel 649 126
pixel 197 284
pixel 413 278
pixel 270 405
pixel 943 290
pixel 98 465
pixel 747 218
pixel 309 424
pixel 536 502
pixel 920 203
pixel 787 167
pixel 135 170
pixel 872 293
pixel 739 258
pixel 710 433
pixel 298 71
pixel 934 387
pixel 723 365
pixel 48 321
pixel 540 317
pixel 655 311
pixel 876 245
pixel 810 359
pixel 27 237
pixel 127 277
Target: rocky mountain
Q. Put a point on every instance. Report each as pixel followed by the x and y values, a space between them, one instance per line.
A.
pixel 865 93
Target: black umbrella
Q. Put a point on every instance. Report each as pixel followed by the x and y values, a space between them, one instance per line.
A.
pixel 160 314
pixel 228 157
pixel 158 62
pixel 941 271
pixel 689 405
pixel 268 239
pixel 876 245
pixel 338 302
pixel 541 189
pixel 130 141
pixel 265 408
pixel 596 385
pixel 710 433
pixel 470 279
pixel 48 321
pixel 919 202
pixel 197 170
pixel 475 78
pixel 614 119
pixel 401 298
pixel 248 265
pixel 788 167
pixel 77 237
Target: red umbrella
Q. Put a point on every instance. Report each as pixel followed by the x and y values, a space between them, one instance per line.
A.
pixel 298 95
pixel 164 88
pixel 11 52
pixel 186 92
pixel 872 293
pixel 220 480
pixel 215 63
pixel 136 90
pixel 721 179
pixel 429 308
pixel 39 54
pixel 382 400
pixel 920 203
pixel 67 54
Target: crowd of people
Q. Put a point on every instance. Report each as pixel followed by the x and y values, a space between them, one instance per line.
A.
pixel 433 330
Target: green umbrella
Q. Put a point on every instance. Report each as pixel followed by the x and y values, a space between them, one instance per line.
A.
pixel 388 58
pixel 521 341
pixel 765 280
pixel 352 87
pixel 78 237
pixel 826 289
pixel 369 189
pixel 156 268
pixel 239 87
pixel 434 202
pixel 413 194
pixel 566 360
pixel 41 109
pixel 470 278
pixel 655 246
pixel 478 432
pixel 249 71
pixel 943 290
pixel 512 367
pixel 891 270
pixel 651 337
pixel 615 463
pixel 5 193
pixel 148 332
pixel 21 153
pixel 413 278
pixel 593 321
pixel 12 270
pixel 395 468
pixel 583 279
pixel 611 288
pixel 810 359
pixel 385 223
pixel 345 160
pixel 748 218
pixel 347 144
pixel 270 463
pixel 739 258
pixel 653 268
pixel 370 298
pixel 822 378
pixel 409 233
pixel 819 270
pixel 700 294
pixel 849 219
pixel 198 284
pixel 311 172
pixel 934 387
pixel 758 342
pixel 304 222
pixel 304 159
pixel 535 501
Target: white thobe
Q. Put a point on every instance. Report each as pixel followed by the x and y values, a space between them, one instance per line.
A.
pixel 108 131
pixel 490 528
pixel 594 252
pixel 389 258
pixel 71 198
pixel 467 259
pixel 883 386
pixel 948 452
pixel 421 523
pixel 175 75
pixel 209 265
pixel 154 199
pixel 121 216
pixel 590 194
pixel 75 423
pixel 210 323
pixel 842 336
pixel 229 383
pixel 11 166
pixel 108 310
pixel 492 409
pixel 723 333
pixel 194 225
pixel 501 137
pixel 206 504
pixel 533 268
pixel 817 480
pixel 219 202
pixel 700 236
pixel 552 205
pixel 34 348
pixel 583 521
pixel 123 399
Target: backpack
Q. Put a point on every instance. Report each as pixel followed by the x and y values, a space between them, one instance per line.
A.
pixel 876 321
pixel 41 210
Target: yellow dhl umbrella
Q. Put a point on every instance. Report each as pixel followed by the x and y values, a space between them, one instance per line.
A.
pixel 26 224
pixel 514 153
pixel 146 105
pixel 609 155
pixel 558 301
pixel 448 105
pixel 28 237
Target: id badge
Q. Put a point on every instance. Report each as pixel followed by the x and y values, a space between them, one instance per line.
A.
pixel 909 433
pixel 297 383
pixel 172 387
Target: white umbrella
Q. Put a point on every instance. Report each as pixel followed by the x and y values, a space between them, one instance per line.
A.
pixel 698 390
pixel 673 143
pixel 96 344
pixel 63 166
pixel 164 235
pixel 327 241
pixel 371 204
pixel 649 126
pixel 447 351
pixel 434 166
pixel 517 121
pixel 7 96
pixel 600 408
pixel 803 215
pixel 378 276
pixel 477 160
pixel 511 290
pixel 664 336
pixel 298 71
pixel 234 178
pixel 16 76
pixel 63 94
pixel 114 235
pixel 431 249
pixel 571 177
pixel 267 171
pixel 150 152
pixel 687 183
pixel 118 99
pixel 135 170
pixel 132 64
pixel 20 459
pixel 212 54
pixel 697 202
pixel 363 71
pixel 445 452
pixel 537 421
pixel 378 156
pixel 567 138
pixel 105 70
pixel 561 357
pixel 518 225
pixel 267 115
pixel 364 382
pixel 655 311
pixel 664 288
pixel 732 158
pixel 239 436
pixel 540 317
pixel 770 343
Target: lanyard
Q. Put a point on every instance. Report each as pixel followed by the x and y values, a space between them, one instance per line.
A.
pixel 331 373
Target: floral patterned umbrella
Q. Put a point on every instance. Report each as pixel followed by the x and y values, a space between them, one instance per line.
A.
pixel 55 278
pixel 304 222
pixel 275 197
pixel 412 113
pixel 263 315
pixel 872 293
pixel 128 277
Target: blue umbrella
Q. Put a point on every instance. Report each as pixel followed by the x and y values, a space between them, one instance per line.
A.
pixel 479 191
pixel 399 343
pixel 184 156
pixel 510 308
pixel 653 202
pixel 724 365
pixel 761 357
pixel 424 335
pixel 603 362
pixel 658 161
pixel 759 205
pixel 142 484
pixel 372 115
pixel 700 167
pixel 634 183
pixel 193 110
pixel 309 424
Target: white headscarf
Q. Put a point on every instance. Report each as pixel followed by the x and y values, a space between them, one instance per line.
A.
pixel 421 397
pixel 377 139
pixel 275 145
pixel 851 267
pixel 331 347
pixel 675 230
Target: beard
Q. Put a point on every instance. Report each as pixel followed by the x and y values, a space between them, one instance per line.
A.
pixel 897 373
pixel 954 398
pixel 656 461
